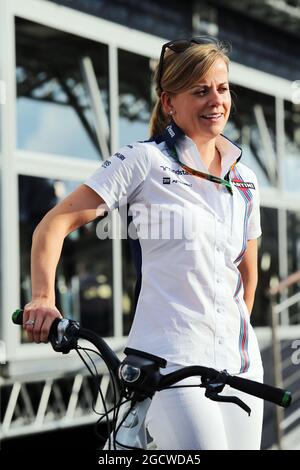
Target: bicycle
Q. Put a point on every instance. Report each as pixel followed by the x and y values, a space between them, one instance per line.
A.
pixel 137 378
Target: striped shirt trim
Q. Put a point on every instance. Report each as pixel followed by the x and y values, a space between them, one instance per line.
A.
pixel 244 331
pixel 248 199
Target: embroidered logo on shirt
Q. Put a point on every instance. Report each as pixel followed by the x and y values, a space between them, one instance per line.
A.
pixel 167 180
pixel 243 184
pixel 170 131
pixel 177 172
pixel 120 156
pixel 182 182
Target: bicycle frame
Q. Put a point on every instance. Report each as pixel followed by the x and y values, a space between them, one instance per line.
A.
pixel 132 432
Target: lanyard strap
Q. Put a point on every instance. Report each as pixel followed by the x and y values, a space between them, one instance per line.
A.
pixel 215 179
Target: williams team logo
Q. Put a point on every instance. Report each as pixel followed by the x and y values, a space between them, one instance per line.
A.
pixel 243 185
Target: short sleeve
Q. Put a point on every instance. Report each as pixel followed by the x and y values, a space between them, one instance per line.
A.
pixel 254 224
pixel 121 177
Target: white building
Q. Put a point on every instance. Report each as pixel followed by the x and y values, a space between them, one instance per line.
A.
pixel 75 85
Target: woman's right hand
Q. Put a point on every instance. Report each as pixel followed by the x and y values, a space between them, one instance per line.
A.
pixel 41 314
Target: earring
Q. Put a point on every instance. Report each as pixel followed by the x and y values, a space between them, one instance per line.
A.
pixel 170 112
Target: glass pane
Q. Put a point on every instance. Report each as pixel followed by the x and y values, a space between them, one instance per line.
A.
pixel 53 106
pixel 135 110
pixel 291 165
pixel 84 274
pixel 129 285
pixel 293 230
pixel 252 125
pixel 268 266
pixel 134 97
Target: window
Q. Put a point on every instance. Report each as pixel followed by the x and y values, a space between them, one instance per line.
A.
pixel 135 111
pixel 252 125
pixel 53 107
pixel 134 97
pixel 268 266
pixel 129 286
pixel 291 167
pixel 84 274
pixel 293 229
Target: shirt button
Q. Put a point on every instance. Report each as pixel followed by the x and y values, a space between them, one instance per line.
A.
pixel 218 249
pixel 219 310
pixel 221 341
pixel 218 281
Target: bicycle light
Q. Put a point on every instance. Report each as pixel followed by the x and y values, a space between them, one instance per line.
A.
pixel 129 373
pixel 139 372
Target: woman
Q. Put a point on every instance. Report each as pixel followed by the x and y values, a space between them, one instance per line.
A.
pixel 198 282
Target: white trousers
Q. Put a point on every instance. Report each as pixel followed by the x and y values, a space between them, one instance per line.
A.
pixel 183 418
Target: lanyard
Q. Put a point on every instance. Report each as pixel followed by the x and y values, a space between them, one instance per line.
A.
pixel 215 179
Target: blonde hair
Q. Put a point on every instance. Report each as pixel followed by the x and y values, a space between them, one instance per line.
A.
pixel 181 70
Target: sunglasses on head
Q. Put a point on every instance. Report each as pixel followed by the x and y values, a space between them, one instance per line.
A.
pixel 180 45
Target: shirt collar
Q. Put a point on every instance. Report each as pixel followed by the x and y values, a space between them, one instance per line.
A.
pixel 174 136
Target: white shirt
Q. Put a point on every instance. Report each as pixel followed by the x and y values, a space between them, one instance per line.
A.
pixel 190 308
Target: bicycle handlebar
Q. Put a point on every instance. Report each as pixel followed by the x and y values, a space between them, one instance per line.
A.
pixel 260 390
pixel 64 334
pixel 63 337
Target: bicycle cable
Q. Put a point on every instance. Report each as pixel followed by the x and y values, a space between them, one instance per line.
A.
pixel 117 405
pixel 97 375
pixel 96 381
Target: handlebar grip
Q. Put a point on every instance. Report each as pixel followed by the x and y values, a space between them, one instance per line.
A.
pixel 17 318
pixel 266 392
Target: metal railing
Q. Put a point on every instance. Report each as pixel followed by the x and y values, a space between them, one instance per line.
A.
pixel 46 403
pixel 276 310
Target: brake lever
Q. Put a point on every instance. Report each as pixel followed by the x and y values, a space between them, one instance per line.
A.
pixel 237 401
pixel 215 386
